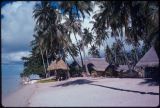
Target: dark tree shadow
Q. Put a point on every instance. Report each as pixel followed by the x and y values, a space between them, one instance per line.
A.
pixel 151 82
pixel 134 91
pixel 90 67
pixel 76 82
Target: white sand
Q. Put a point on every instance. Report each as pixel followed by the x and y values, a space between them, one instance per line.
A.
pixel 19 98
pixel 100 92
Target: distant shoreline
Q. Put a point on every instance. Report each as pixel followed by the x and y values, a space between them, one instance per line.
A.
pixel 15 63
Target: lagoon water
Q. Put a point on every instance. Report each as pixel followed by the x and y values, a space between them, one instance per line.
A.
pixel 10 78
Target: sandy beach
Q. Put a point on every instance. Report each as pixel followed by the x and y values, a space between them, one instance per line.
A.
pixel 86 92
pixel 20 97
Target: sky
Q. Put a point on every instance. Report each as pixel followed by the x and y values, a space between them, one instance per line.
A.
pixel 17 25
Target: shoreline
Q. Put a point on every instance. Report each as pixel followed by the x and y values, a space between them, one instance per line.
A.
pixel 20 86
pixel 19 97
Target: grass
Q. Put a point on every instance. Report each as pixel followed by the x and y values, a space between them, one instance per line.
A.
pixel 46 81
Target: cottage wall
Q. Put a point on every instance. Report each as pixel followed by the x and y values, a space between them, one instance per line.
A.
pixel 101 73
pixel 141 72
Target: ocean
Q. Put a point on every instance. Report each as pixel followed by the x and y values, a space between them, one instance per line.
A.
pixel 11 78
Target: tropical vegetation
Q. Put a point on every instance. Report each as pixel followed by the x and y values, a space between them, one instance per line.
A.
pixel 129 23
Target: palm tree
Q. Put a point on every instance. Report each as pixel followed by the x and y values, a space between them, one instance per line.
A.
pixel 76 8
pixel 94 51
pixel 48 20
pixel 73 8
pixel 87 37
pixel 52 39
pixel 135 46
pixel 108 55
pixel 118 53
pixel 39 42
pixel 138 19
pixel 75 28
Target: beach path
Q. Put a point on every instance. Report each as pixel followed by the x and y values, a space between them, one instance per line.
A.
pixel 96 92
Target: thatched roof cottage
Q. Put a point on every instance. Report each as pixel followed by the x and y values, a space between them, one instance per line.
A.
pixel 59 68
pixel 150 59
pixel 98 64
pixel 148 65
pixel 55 65
pixel 124 71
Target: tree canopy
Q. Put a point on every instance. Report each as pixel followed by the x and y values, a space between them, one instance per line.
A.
pixel 130 23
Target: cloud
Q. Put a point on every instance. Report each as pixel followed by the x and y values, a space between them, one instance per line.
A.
pixel 17 29
pixel 17 26
pixel 14 56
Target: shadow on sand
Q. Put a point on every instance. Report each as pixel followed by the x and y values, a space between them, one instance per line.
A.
pixel 76 82
pixel 151 93
pixel 151 82
pixel 84 81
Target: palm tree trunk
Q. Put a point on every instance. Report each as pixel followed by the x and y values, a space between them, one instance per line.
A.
pixel 111 57
pixel 104 47
pixel 136 53
pixel 115 56
pixel 43 61
pixel 47 61
pixel 47 58
pixel 70 52
pixel 79 50
pixel 86 69
pixel 123 49
pixel 73 56
pixel 126 58
pixel 107 54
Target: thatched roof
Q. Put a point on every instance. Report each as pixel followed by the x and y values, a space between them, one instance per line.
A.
pixel 100 64
pixel 57 65
pixel 85 62
pixel 150 59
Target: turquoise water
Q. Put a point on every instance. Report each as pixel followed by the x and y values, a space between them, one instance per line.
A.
pixel 11 78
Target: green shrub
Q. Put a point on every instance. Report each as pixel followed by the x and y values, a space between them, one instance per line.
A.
pixel 46 81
